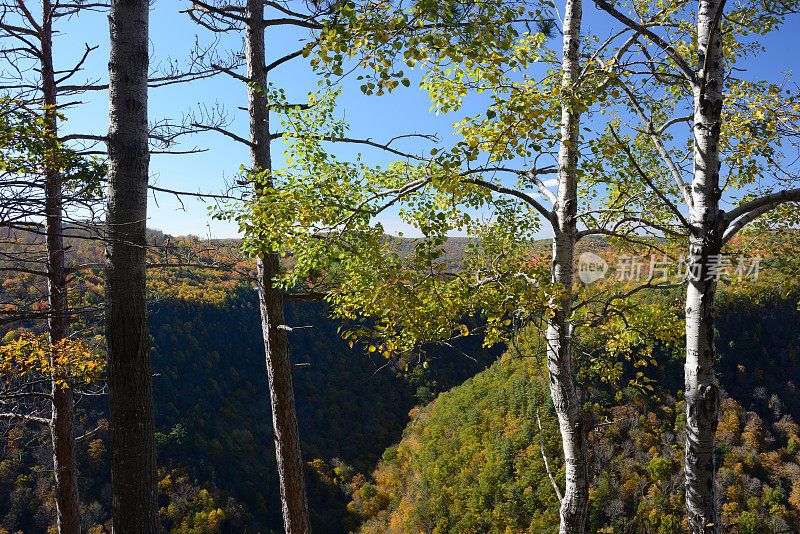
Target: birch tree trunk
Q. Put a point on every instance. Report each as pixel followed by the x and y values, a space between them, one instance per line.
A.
pixel 62 433
pixel 133 459
pixel 279 368
pixel 559 330
pixel 702 395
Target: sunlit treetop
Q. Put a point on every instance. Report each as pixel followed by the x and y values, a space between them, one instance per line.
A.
pixel 29 358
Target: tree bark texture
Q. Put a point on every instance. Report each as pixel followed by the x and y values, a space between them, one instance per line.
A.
pixel 133 459
pixel 701 390
pixel 572 425
pixel 62 432
pixel 279 368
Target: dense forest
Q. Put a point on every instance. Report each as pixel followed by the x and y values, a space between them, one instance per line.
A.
pixel 470 461
pixel 450 443
pixel 467 266
pixel 213 432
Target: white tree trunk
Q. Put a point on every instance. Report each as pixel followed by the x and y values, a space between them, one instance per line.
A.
pixel 559 330
pixel 276 345
pixel 702 394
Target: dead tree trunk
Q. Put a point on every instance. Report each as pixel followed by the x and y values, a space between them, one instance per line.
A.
pixel 62 432
pixel 130 384
pixel 276 345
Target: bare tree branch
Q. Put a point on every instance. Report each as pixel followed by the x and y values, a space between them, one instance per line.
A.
pixel 662 151
pixel 683 66
pixel 547 214
pixel 369 142
pixel 744 220
pixel 546 463
pixel 23 418
pixel 282 60
pixel 91 433
pixel 648 181
pixel 779 197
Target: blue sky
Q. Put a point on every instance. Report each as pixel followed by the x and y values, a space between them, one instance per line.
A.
pixel 173 34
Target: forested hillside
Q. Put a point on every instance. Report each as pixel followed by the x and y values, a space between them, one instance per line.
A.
pixel 209 358
pixel 471 461
pixel 214 437
pixel 468 461
pixel 606 192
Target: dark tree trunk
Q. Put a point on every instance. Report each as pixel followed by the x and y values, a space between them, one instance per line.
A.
pixel 62 431
pixel 133 459
pixel 279 367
